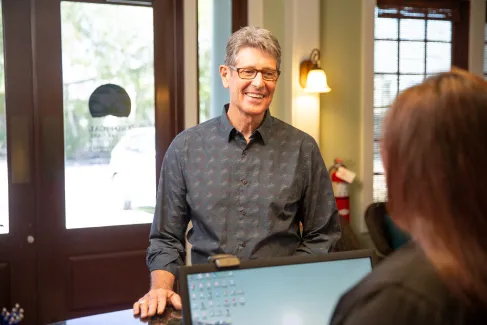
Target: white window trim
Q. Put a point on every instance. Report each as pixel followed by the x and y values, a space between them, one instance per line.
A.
pixel 367 103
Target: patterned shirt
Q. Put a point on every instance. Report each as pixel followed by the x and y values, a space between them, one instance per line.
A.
pixel 245 199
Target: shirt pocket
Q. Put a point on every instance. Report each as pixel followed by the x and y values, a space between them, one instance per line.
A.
pixel 280 201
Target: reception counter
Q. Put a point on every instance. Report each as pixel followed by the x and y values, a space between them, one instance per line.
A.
pixel 125 317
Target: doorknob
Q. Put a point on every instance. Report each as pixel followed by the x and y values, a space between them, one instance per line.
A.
pixel 30 239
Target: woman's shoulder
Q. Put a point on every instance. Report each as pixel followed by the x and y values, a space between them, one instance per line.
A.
pixel 409 269
pixel 402 289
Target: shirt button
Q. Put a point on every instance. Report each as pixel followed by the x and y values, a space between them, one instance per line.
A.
pixel 244 182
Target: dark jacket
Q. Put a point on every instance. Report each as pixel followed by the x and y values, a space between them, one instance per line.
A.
pixel 405 289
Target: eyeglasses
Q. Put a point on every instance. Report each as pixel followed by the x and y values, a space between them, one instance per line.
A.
pixel 251 73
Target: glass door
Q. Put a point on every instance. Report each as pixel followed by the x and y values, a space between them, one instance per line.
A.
pixel 109 102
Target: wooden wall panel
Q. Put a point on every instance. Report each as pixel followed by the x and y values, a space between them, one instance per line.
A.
pixel 5 286
pixel 98 281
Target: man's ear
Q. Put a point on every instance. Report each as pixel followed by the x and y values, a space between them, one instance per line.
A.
pixel 225 74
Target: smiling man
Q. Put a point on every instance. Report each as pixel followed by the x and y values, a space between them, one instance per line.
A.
pixel 245 179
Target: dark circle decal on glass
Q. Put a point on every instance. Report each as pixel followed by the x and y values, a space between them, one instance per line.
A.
pixel 109 99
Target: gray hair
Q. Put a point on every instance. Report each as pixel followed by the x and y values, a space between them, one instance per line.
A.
pixel 253 37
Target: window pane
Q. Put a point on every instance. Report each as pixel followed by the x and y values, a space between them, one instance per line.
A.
pixel 439 30
pixel 379 113
pixel 412 29
pixel 378 167
pixel 406 81
pixel 411 57
pixel 424 49
pixel 385 28
pixel 108 77
pixel 214 29
pixel 4 222
pixel 385 89
pixel 385 56
pixel 438 57
pixel 380 189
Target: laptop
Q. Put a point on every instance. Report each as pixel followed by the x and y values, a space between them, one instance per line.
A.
pixel 298 290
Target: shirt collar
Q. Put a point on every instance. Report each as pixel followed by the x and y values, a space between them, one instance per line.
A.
pixel 228 131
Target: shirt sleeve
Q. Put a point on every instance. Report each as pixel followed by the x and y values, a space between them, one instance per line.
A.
pixel 392 305
pixel 167 236
pixel 319 215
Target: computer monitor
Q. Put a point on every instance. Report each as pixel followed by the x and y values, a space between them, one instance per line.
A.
pixel 277 291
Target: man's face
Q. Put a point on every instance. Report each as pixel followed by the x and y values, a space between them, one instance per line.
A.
pixel 250 96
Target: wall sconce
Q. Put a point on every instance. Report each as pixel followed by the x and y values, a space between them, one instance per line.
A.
pixel 311 77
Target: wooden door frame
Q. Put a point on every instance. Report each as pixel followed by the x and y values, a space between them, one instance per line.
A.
pixel 17 265
pixel 56 244
pixel 240 13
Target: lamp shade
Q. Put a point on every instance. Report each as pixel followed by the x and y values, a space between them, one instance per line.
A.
pixel 316 82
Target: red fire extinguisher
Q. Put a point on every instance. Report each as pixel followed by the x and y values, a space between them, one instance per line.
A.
pixel 340 189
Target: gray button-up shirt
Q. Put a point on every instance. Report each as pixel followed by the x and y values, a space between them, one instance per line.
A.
pixel 245 199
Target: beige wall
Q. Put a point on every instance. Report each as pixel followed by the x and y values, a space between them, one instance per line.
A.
pixel 341 118
pixel 273 19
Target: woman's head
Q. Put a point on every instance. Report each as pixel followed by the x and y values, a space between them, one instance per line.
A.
pixel 434 150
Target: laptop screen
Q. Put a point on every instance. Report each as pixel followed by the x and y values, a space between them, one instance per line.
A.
pixel 296 294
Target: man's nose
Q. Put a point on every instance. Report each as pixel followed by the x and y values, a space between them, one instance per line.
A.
pixel 258 81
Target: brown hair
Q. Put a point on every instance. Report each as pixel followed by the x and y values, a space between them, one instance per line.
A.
pixel 435 157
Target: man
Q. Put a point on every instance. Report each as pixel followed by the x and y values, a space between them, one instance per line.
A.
pixel 245 179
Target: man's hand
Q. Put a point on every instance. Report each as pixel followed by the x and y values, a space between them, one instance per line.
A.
pixel 160 294
pixel 155 301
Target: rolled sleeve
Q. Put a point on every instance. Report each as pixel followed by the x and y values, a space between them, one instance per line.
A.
pixel 167 236
pixel 319 215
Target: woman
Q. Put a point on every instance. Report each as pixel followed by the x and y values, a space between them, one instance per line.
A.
pixel 434 151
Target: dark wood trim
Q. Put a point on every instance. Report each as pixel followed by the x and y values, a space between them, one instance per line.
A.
pixel 14 249
pixel 179 58
pixel 169 73
pixel 114 2
pixel 239 14
pixel 49 135
pixel 460 31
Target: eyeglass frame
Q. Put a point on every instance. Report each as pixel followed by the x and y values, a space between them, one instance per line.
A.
pixel 256 72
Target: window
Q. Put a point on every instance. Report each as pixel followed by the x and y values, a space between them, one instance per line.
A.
pixel 217 19
pixel 108 85
pixel 214 29
pixel 411 42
